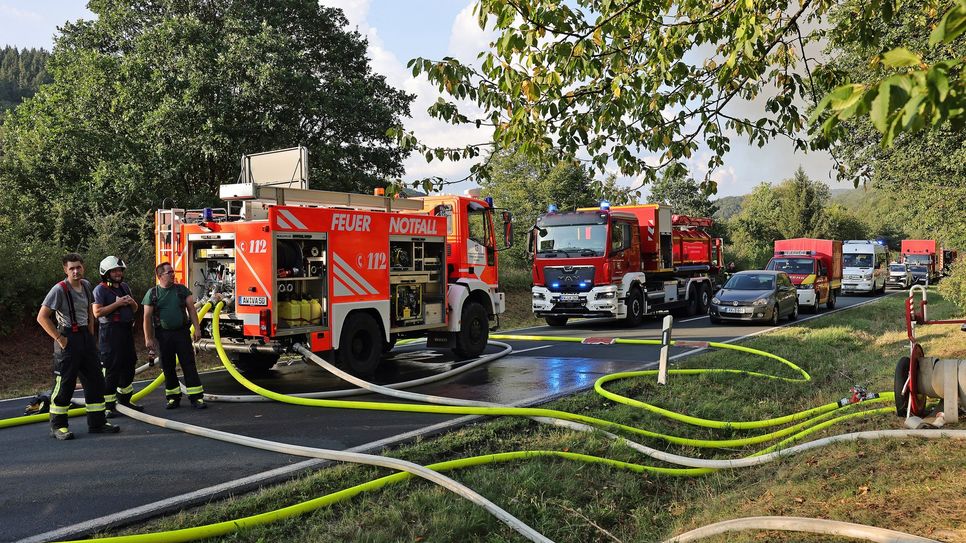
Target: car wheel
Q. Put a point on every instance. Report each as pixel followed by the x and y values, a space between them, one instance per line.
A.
pixel 793 316
pixel 775 314
pixel 831 300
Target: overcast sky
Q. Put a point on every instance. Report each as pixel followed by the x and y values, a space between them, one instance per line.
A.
pixel 398 30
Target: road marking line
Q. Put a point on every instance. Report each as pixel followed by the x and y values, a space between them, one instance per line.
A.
pixel 514 351
pixel 695 318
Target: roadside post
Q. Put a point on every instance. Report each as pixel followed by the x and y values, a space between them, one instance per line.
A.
pixel 665 347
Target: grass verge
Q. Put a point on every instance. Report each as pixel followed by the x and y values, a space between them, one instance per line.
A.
pixel 909 485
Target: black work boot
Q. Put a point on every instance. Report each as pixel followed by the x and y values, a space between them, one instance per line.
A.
pixel 106 428
pixel 173 402
pixel 110 409
pixel 61 434
pixel 199 404
pixel 125 400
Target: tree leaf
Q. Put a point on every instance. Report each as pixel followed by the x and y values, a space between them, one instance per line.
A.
pixel 900 57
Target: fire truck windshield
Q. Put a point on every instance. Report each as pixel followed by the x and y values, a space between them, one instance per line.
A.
pixel 572 240
pixel 792 265
pixel 918 259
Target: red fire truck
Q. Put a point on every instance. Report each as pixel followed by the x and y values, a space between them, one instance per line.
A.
pixel 621 262
pixel 923 260
pixel 338 272
pixel 814 266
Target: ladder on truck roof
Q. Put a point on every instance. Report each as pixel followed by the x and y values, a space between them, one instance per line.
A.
pixel 269 195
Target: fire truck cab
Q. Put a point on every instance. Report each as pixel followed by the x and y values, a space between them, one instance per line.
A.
pixel 342 273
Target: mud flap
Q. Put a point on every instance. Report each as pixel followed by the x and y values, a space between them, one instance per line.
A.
pixel 440 339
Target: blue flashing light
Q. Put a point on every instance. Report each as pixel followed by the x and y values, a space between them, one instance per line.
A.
pixel 552 208
pixel 555 285
pixel 208 214
pixel 489 201
pixel 605 205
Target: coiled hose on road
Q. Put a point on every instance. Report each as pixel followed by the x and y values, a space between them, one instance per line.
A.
pixel 821 417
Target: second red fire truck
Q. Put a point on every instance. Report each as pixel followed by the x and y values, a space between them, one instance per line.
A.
pixel 621 262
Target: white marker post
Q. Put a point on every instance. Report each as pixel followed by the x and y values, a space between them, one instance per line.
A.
pixel 665 347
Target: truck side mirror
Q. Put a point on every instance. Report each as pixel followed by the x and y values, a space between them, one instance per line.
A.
pixel 507 229
pixel 530 243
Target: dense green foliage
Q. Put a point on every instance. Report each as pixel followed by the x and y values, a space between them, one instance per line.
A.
pixel 639 86
pixel 526 188
pixel 797 207
pixel 152 103
pixel 953 288
pixel 22 71
pixel 685 195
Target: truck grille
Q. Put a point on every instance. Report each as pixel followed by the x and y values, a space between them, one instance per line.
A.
pixel 569 278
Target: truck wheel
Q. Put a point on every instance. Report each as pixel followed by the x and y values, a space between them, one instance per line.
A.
pixel 474 331
pixel 715 320
pixel 705 298
pixel 253 362
pixel 831 300
pixel 693 302
pixel 556 322
pixel 360 344
pixel 635 307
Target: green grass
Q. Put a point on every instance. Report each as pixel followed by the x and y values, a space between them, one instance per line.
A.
pixel 905 485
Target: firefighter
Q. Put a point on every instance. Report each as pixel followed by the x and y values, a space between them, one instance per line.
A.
pixel 168 313
pixel 67 317
pixel 115 308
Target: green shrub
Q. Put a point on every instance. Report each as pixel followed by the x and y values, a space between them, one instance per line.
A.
pixel 953 288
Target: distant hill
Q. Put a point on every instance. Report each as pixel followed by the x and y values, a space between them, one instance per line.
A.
pixel 728 206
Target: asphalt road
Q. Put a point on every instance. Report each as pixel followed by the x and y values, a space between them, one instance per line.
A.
pixel 52 490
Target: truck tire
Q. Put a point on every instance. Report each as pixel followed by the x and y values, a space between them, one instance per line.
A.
pixel 704 296
pixel 253 362
pixel 556 322
pixel 474 331
pixel 693 301
pixel 830 303
pixel 635 307
pixel 389 345
pixel 815 307
pixel 360 344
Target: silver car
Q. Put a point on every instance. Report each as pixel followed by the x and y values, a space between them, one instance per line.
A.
pixel 900 276
pixel 760 295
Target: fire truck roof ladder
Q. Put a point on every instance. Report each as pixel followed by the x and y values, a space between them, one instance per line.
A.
pixel 322 198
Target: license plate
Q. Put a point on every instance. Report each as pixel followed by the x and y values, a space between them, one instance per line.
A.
pixel 569 298
pixel 734 310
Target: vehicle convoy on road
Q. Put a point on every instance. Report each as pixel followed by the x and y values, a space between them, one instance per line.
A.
pixel 923 260
pixel 900 276
pixel 815 268
pixel 621 262
pixel 755 296
pixel 337 272
pixel 864 266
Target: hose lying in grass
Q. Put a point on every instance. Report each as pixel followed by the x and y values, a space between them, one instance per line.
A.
pixel 800 524
pixel 670 471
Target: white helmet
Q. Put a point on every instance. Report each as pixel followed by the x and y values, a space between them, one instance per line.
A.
pixel 111 263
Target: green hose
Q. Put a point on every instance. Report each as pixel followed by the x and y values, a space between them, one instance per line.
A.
pixel 813 420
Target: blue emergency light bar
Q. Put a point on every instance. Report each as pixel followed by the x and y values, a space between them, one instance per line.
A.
pixel 605 205
pixel 489 201
pixel 552 208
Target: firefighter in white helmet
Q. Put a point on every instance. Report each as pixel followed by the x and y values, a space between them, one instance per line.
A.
pixel 115 309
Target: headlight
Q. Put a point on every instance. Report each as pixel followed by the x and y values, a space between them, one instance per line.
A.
pixel 867 277
pixel 605 295
pixel 539 296
pixel 761 301
pixel 715 301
